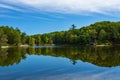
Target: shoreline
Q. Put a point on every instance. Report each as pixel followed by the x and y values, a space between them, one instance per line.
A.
pixel 97 45
pixel 26 45
pixel 14 46
pixel 5 46
pixel 102 45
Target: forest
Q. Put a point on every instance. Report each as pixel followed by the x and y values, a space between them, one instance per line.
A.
pixel 104 32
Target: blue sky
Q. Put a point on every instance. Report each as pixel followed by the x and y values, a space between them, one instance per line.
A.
pixel 44 16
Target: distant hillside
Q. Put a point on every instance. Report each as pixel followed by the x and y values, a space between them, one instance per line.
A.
pixel 99 33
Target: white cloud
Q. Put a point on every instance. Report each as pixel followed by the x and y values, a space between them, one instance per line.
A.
pixel 10 7
pixel 71 6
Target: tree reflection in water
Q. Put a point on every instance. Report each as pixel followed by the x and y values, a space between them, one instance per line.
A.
pixel 100 56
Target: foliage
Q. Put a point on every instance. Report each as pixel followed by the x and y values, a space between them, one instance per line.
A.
pixel 99 33
pixel 11 36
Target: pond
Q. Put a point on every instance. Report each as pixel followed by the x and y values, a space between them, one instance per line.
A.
pixel 60 63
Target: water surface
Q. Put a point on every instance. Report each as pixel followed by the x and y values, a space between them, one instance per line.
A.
pixel 60 63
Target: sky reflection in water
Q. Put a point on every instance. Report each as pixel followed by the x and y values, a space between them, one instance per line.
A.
pixel 50 67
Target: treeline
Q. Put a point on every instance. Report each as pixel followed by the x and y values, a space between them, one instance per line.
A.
pixel 99 33
pixel 11 36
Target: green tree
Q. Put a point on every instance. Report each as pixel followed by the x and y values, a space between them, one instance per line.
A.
pixel 31 41
pixel 102 35
pixel 3 39
pixel 38 40
pixel 45 38
pixel 23 38
pixel 16 38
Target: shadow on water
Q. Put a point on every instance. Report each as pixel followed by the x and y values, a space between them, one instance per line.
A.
pixel 100 56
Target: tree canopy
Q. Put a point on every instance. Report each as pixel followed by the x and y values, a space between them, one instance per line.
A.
pixel 98 33
pixel 105 32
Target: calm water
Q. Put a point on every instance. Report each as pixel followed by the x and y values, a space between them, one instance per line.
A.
pixel 60 63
